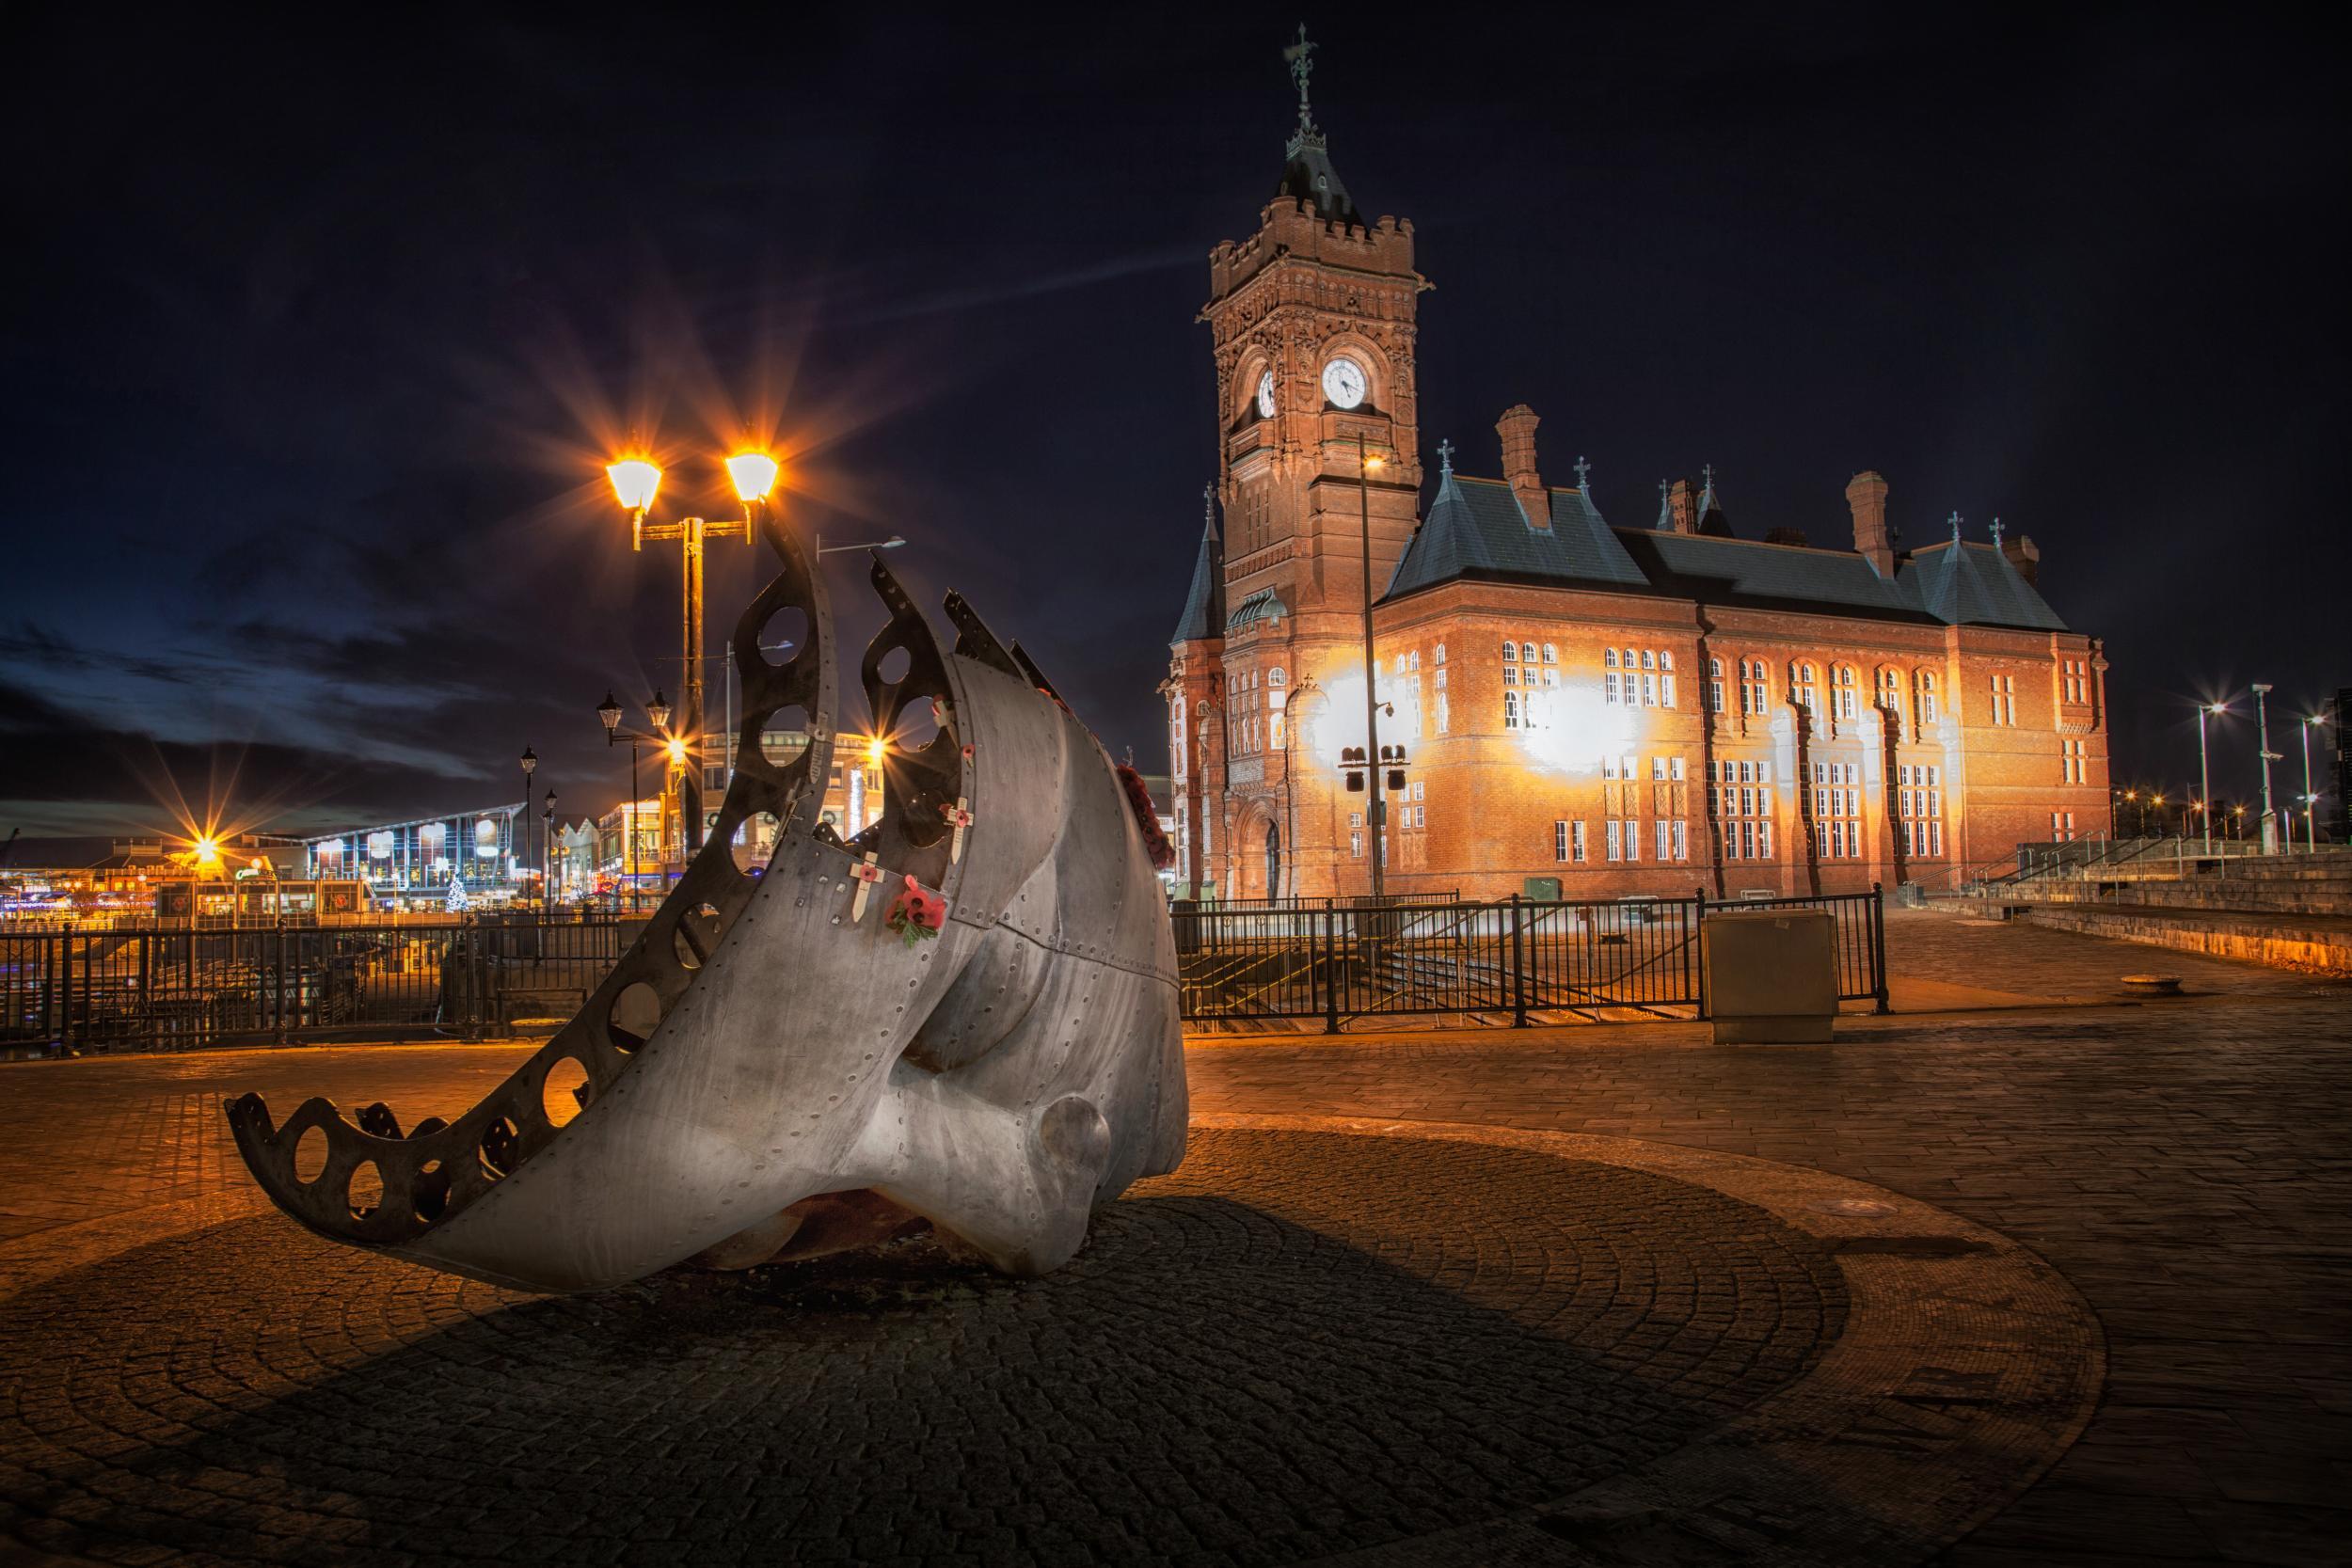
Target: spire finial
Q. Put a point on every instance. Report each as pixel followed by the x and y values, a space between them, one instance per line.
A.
pixel 1445 459
pixel 1208 508
pixel 1583 472
pixel 1997 532
pixel 1708 469
pixel 1955 527
pixel 1302 63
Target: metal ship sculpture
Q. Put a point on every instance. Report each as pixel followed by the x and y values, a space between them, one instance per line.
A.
pixel 968 1013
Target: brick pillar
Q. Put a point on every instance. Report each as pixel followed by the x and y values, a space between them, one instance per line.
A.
pixel 1517 429
pixel 1866 495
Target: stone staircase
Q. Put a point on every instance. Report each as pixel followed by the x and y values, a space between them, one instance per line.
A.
pixel 2288 911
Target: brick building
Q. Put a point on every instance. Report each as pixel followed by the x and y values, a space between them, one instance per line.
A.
pixel 1626 708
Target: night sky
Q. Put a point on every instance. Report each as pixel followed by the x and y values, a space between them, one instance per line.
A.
pixel 318 337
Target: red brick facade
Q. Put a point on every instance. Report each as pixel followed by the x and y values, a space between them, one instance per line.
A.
pixel 1631 739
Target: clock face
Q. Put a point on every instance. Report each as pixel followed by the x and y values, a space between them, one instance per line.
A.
pixel 1343 382
pixel 1265 396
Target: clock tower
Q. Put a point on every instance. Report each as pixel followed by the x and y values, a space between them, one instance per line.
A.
pixel 1312 328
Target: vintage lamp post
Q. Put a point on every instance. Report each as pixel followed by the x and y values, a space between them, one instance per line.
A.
pixel 530 763
pixel 609 713
pixel 547 845
pixel 635 481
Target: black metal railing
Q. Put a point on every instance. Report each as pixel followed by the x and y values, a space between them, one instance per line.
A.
pixel 179 988
pixel 1511 961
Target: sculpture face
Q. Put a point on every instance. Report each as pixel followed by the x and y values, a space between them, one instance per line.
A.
pixel 772 1039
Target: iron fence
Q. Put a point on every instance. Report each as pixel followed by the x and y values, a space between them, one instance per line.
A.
pixel 1511 961
pixel 180 989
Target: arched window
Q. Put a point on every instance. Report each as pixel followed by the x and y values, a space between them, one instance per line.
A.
pixel 1510 653
pixel 1551 655
pixel 1527 653
pixel 1608 658
pixel 1841 679
pixel 1666 659
pixel 1714 686
pixel 1441 653
pixel 1275 677
pixel 1926 682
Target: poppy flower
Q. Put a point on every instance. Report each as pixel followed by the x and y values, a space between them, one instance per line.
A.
pixel 914 915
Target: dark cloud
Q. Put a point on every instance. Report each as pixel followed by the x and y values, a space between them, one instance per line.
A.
pixel 317 367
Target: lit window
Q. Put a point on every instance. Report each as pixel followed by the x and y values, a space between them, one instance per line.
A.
pixel 1551 655
pixel 1510 652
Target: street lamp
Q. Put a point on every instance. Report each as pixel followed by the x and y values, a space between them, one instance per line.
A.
pixel 635 481
pixel 530 762
pixel 609 714
pixel 2311 800
pixel 547 845
pixel 2205 771
pixel 2262 720
pixel 1378 814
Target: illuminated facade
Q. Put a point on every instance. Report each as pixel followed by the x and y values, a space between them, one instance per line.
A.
pixel 1625 709
pixel 415 862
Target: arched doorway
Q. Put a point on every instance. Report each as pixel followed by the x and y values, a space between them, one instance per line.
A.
pixel 1273 860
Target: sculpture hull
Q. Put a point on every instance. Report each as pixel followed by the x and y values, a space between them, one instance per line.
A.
pixel 1001 1078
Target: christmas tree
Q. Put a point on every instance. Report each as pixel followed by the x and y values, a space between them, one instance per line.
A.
pixel 457 899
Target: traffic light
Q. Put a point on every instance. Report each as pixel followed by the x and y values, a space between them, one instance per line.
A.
pixel 1352 759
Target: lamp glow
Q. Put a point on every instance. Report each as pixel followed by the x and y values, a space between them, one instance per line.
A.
pixel 874 748
pixel 676 748
pixel 634 480
pixel 753 473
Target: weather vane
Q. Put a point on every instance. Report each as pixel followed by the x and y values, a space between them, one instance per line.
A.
pixel 1955 527
pixel 1301 58
pixel 1996 533
pixel 1445 456
pixel 1583 472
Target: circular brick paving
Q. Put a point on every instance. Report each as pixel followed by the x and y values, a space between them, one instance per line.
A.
pixel 1309 1342
pixel 1303 1341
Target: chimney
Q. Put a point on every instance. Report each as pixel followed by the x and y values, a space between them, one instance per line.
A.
pixel 1682 506
pixel 2023 555
pixel 1865 494
pixel 1517 429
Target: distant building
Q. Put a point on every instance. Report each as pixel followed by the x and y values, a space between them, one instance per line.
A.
pixel 415 862
pixel 1623 709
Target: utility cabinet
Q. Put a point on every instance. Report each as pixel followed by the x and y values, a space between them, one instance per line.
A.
pixel 1771 975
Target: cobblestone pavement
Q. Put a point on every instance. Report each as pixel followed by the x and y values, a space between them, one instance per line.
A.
pixel 2183 1163
pixel 1303 1343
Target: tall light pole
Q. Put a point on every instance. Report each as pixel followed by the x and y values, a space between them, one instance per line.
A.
pixel 1378 817
pixel 530 762
pixel 546 847
pixel 2311 800
pixel 635 481
pixel 609 714
pixel 2204 769
pixel 2262 720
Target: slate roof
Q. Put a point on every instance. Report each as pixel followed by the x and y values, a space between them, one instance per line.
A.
pixel 1264 605
pixel 1204 606
pixel 1308 176
pixel 1719 570
pixel 1476 529
pixel 1975 585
